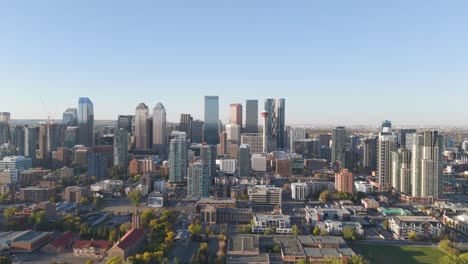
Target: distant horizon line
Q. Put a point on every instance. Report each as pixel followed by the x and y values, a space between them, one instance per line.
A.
pixel 290 125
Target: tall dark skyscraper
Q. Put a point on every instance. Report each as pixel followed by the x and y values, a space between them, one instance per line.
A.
pixel 276 123
pixel 211 120
pixel 251 116
pixel 86 121
pixel 186 125
pixel 197 131
pixel 402 136
pixel 339 140
pixel 370 154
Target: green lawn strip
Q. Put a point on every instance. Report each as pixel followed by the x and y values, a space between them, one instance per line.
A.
pixel 399 254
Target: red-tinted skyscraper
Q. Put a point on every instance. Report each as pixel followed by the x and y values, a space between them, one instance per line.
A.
pixel 235 114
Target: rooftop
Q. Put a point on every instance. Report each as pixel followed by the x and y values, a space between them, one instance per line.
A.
pixel 262 258
pixel 62 240
pixel 290 246
pixel 130 238
pixel 244 244
pixel 92 243
pixel 266 217
pixel 414 218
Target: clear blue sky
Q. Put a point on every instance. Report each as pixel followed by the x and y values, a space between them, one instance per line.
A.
pixel 335 62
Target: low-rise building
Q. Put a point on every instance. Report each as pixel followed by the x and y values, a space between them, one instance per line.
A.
pixel 106 186
pixel 59 244
pixel 23 241
pixel 369 203
pixel 315 215
pixel 91 248
pixel 299 191
pixel 36 194
pixel 363 186
pixel 336 227
pixel 457 222
pixel 424 226
pixel 265 195
pixel 261 222
pixel 73 194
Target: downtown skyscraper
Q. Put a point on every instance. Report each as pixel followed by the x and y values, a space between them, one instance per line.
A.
pixel 211 132
pixel 70 117
pixel 244 160
pixel 275 123
pixel 235 114
pixel 251 116
pixel 141 127
pixel 86 121
pixel 185 125
pixel 159 129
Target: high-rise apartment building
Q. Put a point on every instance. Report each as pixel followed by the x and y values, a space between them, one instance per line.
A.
pixel 387 143
pixel 426 170
pixel 159 129
pixel 402 134
pixel 251 116
pixel 198 180
pixel 211 131
pixel 235 114
pixel 401 170
pixel 30 141
pixel 339 140
pixel 344 181
pixel 141 127
pixel 121 148
pixel 86 121
pixel 178 157
pixel 276 123
pixel 244 160
pixel 70 117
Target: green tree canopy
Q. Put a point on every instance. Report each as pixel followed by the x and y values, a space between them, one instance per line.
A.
pixel 135 196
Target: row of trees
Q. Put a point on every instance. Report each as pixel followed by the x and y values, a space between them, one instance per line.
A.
pixel 327 196
pixel 452 253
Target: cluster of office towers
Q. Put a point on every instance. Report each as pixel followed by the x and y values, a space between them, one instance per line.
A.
pixel 405 160
pixel 193 145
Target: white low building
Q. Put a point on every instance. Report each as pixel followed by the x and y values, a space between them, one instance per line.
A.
pixel 262 222
pixel 299 191
pixel 363 186
pixel 228 166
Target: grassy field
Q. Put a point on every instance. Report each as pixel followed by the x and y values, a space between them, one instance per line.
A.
pixel 400 254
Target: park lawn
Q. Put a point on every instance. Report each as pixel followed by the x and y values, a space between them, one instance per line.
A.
pixel 400 254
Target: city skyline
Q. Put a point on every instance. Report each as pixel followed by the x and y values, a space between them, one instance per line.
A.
pixel 357 63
